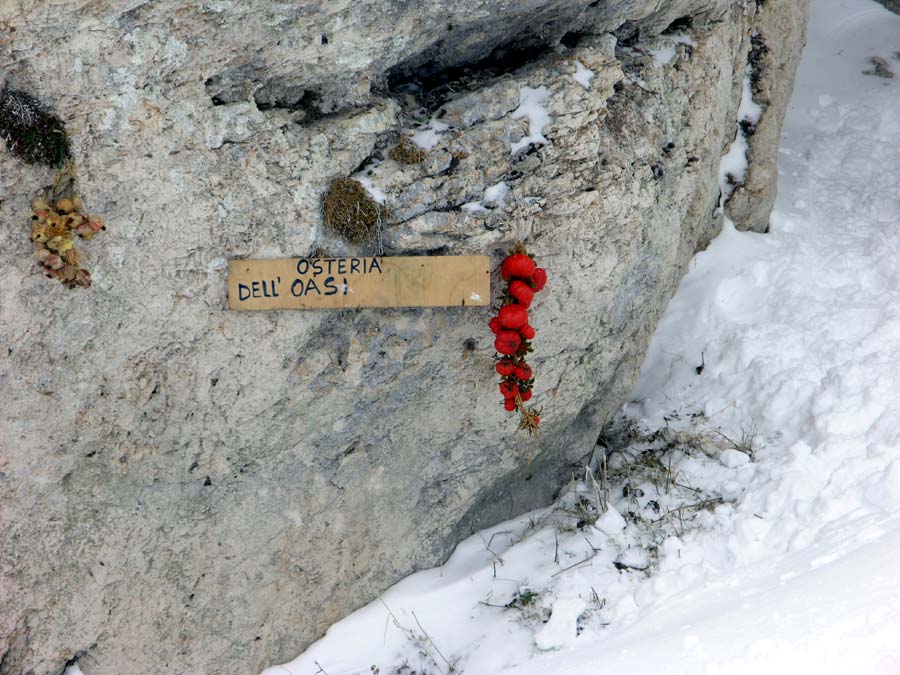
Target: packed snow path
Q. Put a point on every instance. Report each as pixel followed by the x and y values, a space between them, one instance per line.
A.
pixel 760 532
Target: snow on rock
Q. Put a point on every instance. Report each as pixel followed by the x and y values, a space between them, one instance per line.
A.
pixel 583 75
pixel 474 207
pixel 733 458
pixel 734 163
pixel 430 134
pixel 496 194
pixel 531 106
pixel 749 110
pixel 663 56
pixel 494 197
pixel 610 523
pixel 750 203
pixel 666 53
pixel 884 487
pixel 368 177
pixel 562 628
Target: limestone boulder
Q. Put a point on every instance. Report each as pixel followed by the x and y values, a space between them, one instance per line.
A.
pixel 189 490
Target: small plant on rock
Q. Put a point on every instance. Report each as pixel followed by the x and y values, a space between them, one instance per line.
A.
pixel 407 152
pixel 351 212
pixel 31 132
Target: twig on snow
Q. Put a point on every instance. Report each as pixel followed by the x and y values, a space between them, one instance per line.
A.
pixel 587 558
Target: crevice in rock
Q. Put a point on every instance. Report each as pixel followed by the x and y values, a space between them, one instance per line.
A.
pixel 246 83
pixel 572 39
pixel 755 73
pixel 748 128
pixel 81 653
pixel 68 664
pixel 233 85
pixel 748 121
pixel 375 157
pixel 432 86
pixel 309 105
pixel 432 76
pixel 291 99
pixel 627 35
pixel 755 60
pixel 681 24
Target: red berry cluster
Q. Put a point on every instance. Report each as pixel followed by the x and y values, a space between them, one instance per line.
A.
pixel 514 334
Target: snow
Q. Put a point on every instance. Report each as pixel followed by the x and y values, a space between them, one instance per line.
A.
pixel 664 55
pixel 733 166
pixel 749 109
pixel 474 207
pixel 583 75
pixel 495 196
pixel 430 134
pixel 611 522
pixel 368 177
pixel 734 163
pixel 561 629
pixel 426 138
pixel 531 106
pixel 733 458
pixel 752 517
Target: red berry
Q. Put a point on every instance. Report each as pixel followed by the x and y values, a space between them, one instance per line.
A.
pixel 509 389
pixel 523 372
pixel 507 342
pixel 526 395
pixel 537 420
pixel 505 367
pixel 513 316
pixel 495 325
pixel 527 332
pixel 509 404
pixel 539 279
pixel 520 291
pixel 518 265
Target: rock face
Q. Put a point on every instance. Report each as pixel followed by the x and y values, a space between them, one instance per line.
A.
pixel 893 5
pixel 772 60
pixel 188 490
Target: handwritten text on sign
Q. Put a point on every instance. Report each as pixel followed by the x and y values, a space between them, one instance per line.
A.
pixel 312 283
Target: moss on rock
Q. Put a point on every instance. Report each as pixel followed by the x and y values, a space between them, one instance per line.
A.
pixel 351 212
pixel 32 133
pixel 406 152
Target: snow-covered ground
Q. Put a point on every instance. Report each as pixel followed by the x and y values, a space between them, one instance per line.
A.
pixel 754 516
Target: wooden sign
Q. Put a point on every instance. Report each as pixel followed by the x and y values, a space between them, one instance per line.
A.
pixel 334 283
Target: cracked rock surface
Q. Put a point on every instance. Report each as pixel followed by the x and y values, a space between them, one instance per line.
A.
pixel 191 490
